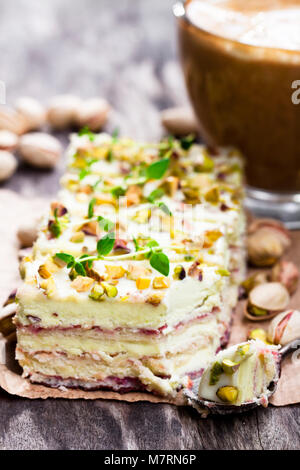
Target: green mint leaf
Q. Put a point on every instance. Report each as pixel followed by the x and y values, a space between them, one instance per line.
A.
pixel 118 191
pixel 83 173
pixel 156 194
pixel 164 208
pixel 86 131
pixel 152 243
pixel 96 184
pixel 91 208
pixel 79 268
pixel 187 142
pixel 105 224
pixel 89 262
pixel 160 262
pixel 157 169
pixel 106 244
pixel 90 161
pixel 66 258
pixel 215 373
pixel 136 244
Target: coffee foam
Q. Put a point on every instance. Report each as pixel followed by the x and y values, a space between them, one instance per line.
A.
pixel 267 23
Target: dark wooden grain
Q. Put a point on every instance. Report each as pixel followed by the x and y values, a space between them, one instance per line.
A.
pixel 124 50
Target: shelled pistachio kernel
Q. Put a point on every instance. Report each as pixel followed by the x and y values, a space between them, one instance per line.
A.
pixel 207 165
pixel 212 195
pixel 97 292
pixel 223 272
pixel 228 394
pixel 44 272
pixel 142 283
pixel 179 273
pixel 78 237
pixel 230 367
pixel 154 299
pixel 161 282
pixel 257 311
pixel 215 373
pixel 110 290
pixel 243 350
pixel 258 333
pixel 49 286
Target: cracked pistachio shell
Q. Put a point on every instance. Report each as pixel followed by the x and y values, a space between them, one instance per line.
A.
pixel 11 120
pixel 285 327
pixel 93 113
pixel 33 112
pixel 62 111
pixel 257 224
pixel 8 165
pixel 287 274
pixel 179 121
pixel 266 246
pixel 255 280
pixel 40 149
pixel 269 296
pixel 8 140
pixel 27 234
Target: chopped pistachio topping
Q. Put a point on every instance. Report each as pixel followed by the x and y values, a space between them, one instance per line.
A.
pixel 228 394
pixel 215 373
pixel 230 367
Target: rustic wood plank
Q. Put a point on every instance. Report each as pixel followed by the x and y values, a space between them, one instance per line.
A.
pixel 126 52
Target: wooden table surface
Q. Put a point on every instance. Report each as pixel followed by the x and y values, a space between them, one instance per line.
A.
pixel 126 51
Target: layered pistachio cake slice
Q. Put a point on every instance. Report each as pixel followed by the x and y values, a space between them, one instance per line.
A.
pixel 134 275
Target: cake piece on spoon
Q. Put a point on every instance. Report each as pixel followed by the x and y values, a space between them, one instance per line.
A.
pixel 241 374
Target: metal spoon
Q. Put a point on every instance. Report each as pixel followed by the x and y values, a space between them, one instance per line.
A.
pixel 206 407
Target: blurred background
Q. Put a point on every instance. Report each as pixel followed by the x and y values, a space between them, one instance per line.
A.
pixel 122 50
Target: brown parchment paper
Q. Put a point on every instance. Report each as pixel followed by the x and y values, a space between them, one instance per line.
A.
pixel 14 211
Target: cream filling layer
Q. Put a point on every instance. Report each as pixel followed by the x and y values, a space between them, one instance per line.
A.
pixel 149 370
pixel 77 341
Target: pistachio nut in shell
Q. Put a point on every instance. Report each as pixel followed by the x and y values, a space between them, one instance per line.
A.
pixel 287 273
pixel 27 234
pixel 33 112
pixel 8 140
pixel 40 149
pixel 8 165
pixel 271 296
pixel 257 224
pixel 285 327
pixel 11 120
pixel 255 280
pixel 266 246
pixel 62 111
pixel 179 121
pixel 93 113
